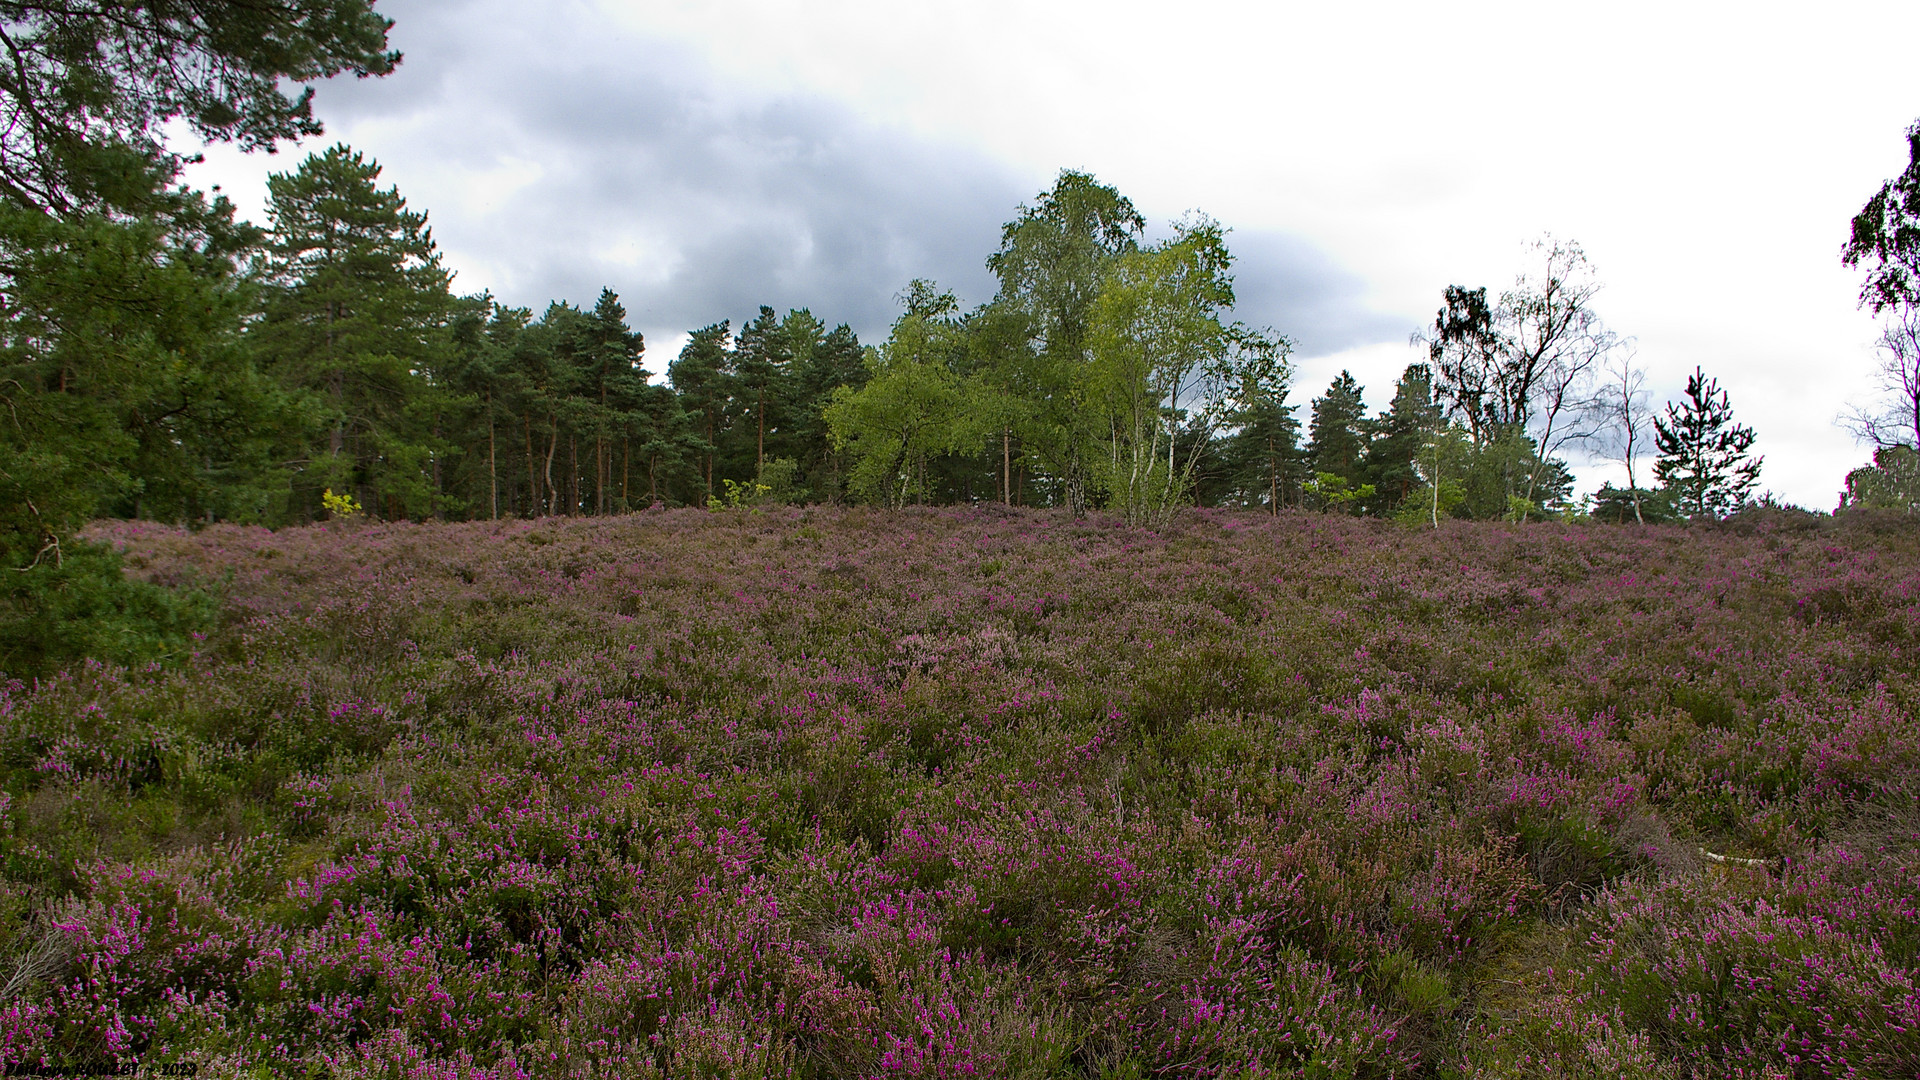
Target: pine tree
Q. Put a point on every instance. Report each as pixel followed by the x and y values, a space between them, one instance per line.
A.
pixel 124 385
pixel 1401 434
pixel 1703 453
pixel 823 361
pixel 610 372
pixel 358 318
pixel 703 377
pixel 1262 458
pixel 760 360
pixel 485 335
pixel 1337 437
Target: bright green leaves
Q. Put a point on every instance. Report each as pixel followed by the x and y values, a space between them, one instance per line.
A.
pixel 917 403
pixel 1110 365
pixel 1164 361
pixel 1892 482
pixel 1053 262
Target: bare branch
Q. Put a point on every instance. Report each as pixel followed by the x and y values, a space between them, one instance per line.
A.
pixel 1893 418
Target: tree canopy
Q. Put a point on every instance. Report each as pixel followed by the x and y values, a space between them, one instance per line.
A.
pixel 1885 238
pixel 86 84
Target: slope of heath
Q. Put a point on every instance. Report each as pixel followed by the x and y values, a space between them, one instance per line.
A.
pixel 838 793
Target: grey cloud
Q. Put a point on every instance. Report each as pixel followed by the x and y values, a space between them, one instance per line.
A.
pixel 1284 282
pixel 736 202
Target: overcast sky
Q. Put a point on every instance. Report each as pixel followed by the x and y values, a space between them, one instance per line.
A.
pixel 703 157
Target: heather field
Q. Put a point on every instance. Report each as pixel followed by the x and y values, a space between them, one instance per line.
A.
pixel 841 793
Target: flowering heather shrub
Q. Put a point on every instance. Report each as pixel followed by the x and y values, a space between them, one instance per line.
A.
pixel 982 793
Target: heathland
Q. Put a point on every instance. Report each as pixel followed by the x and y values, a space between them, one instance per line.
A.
pixel 839 792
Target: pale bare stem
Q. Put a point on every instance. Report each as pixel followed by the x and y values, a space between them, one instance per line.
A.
pixel 1735 860
pixel 1568 404
pixel 1624 405
pixel 35 965
pixel 1552 346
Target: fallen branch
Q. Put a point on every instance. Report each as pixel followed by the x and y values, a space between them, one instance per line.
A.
pixel 1735 860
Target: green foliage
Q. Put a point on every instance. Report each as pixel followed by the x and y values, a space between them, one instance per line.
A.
pixel 1401 435
pixel 1260 459
pixel 779 478
pixel 737 495
pixel 126 385
pixel 773 487
pixel 1331 491
pixel 1465 350
pixel 1519 373
pixel 1431 503
pixel 339 506
pixel 1055 257
pixel 915 405
pixel 1892 482
pixel 1337 437
pixel 75 603
pixel 145 404
pixel 1159 339
pixel 1625 506
pixel 702 377
pixel 737 405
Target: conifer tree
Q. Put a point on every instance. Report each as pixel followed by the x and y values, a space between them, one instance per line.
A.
pixel 761 357
pixel 1337 437
pixel 610 372
pixel 123 383
pixel 826 362
pixel 359 312
pixel 1401 434
pixel 1703 453
pixel 483 334
pixel 703 377
pixel 1262 457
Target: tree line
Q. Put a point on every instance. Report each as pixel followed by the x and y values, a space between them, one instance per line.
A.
pixel 1107 372
pixel 417 403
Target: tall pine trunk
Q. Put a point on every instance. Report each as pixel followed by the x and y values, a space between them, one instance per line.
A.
pixel 553 445
pixel 1273 477
pixel 1006 466
pixel 493 470
pixel 533 481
